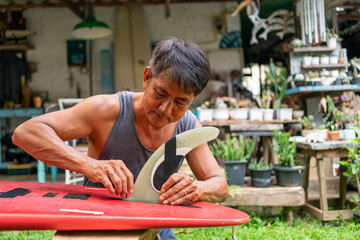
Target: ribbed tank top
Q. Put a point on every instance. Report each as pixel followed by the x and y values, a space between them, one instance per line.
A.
pixel 124 143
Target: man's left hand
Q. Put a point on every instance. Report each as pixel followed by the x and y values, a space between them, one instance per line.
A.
pixel 179 188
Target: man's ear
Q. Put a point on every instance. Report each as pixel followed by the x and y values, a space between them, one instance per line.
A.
pixel 146 77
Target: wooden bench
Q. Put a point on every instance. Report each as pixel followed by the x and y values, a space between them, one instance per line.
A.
pixel 274 196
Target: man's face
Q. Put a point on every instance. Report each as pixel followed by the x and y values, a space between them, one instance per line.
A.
pixel 164 102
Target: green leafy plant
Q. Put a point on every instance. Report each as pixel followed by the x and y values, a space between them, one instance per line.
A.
pixel 334 127
pixel 285 150
pixel 353 169
pixel 233 148
pixel 307 122
pixel 254 164
pixel 279 81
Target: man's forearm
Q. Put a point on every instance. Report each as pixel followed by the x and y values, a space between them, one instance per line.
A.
pixel 213 190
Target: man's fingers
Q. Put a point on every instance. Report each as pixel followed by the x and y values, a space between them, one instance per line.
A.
pixel 109 186
pixel 114 175
pixel 173 179
pixel 183 188
pixel 129 178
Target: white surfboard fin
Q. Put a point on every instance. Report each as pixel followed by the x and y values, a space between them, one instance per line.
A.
pixel 167 160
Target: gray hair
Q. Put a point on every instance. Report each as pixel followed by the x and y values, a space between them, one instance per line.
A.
pixel 181 62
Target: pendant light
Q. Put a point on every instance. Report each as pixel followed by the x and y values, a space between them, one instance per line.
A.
pixel 91 28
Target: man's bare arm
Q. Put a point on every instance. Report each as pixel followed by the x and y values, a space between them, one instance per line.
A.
pixel 43 137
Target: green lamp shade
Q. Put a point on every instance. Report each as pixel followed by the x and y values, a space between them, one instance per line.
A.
pixel 91 29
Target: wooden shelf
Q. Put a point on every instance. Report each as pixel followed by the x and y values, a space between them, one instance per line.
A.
pixel 325 66
pixel 18 33
pixel 313 49
pixel 20 47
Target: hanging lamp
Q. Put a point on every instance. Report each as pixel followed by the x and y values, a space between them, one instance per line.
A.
pixel 91 28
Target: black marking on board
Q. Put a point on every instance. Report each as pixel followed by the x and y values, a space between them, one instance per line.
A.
pixel 50 194
pixel 77 196
pixel 15 192
pixel 170 165
pixel 181 205
pixel 114 198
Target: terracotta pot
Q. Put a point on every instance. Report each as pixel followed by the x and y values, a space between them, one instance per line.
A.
pixel 334 135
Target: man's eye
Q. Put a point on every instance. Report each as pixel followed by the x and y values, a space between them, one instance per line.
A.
pixel 159 94
pixel 180 104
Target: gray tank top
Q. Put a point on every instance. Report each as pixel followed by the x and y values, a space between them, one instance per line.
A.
pixel 124 142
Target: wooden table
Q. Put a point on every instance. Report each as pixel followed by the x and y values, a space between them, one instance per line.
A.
pixel 264 129
pixel 329 149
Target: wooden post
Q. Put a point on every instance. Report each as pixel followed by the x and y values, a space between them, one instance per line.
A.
pixel 307 173
pixel 322 184
pixel 342 189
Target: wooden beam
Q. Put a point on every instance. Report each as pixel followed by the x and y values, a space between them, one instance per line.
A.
pixel 104 4
pixel 75 9
pixel 349 17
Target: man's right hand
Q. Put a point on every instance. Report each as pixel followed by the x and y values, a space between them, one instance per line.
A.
pixel 113 174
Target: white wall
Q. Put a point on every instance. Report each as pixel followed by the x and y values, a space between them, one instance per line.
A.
pixel 53 27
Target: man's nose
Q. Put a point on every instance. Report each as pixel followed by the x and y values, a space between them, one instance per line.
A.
pixel 166 106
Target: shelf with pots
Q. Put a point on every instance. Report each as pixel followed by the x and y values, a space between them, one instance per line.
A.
pixel 313 49
pixel 337 65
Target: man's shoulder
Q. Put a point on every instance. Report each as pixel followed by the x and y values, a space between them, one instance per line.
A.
pixel 105 105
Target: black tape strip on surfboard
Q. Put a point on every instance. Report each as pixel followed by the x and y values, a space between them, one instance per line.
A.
pixel 170 165
pixel 15 192
pixel 77 196
pixel 50 194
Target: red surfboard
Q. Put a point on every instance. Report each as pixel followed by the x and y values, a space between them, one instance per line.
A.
pixel 49 206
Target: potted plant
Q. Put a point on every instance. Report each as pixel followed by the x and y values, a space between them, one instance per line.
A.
pixel 299 80
pixel 324 59
pixel 260 173
pixel 307 59
pixel 332 39
pixel 266 98
pixel 204 112
pixel 256 114
pixel 308 124
pixel 287 173
pixel 353 170
pixel 221 112
pixel 334 133
pixel 280 83
pixel 234 152
pixel 315 59
pixel 236 112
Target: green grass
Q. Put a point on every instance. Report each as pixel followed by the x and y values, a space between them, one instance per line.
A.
pixel 277 228
pixel 257 228
pixel 28 235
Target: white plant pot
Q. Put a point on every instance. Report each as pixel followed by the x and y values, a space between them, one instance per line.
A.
pixel 315 61
pixel 284 114
pixel 322 133
pixel 334 59
pixel 341 134
pixel 256 114
pixel 239 113
pixel 324 60
pixel 307 60
pixel 268 114
pixel 221 114
pixel 205 114
pixel 332 43
pixel 349 134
